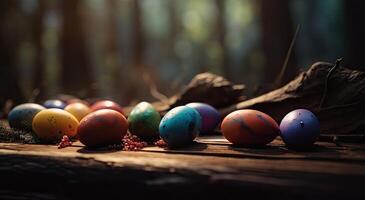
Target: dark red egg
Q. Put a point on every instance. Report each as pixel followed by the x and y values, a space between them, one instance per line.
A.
pixel 106 104
pixel 102 128
pixel 249 128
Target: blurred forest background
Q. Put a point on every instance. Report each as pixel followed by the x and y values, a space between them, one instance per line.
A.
pixel 119 49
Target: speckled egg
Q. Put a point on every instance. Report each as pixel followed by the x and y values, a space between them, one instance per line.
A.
pixel 106 104
pixel 51 125
pixel 144 121
pixel 79 110
pixel 75 100
pixel 300 129
pixel 180 126
pixel 210 116
pixel 54 103
pixel 102 128
pixel 21 116
pixel 249 128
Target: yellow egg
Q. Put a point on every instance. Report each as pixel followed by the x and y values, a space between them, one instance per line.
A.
pixel 51 124
pixel 79 110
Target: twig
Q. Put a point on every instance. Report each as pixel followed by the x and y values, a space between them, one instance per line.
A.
pixel 336 141
pixel 279 79
pixel 34 95
pixel 338 61
pixel 153 89
pixel 178 80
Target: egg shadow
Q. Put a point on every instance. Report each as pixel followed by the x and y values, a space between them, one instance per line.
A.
pixel 316 152
pixel 89 150
pixel 193 147
pixel 312 149
pixel 265 150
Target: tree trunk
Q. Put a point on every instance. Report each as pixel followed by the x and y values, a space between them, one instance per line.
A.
pixel 354 11
pixel 9 40
pixel 38 29
pixel 76 76
pixel 221 34
pixel 112 52
pixel 277 34
pixel 137 35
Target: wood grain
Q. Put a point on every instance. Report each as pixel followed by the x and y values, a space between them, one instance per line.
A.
pixel 209 168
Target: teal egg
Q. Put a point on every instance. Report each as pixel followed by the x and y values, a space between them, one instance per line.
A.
pixel 180 126
pixel 21 116
pixel 144 121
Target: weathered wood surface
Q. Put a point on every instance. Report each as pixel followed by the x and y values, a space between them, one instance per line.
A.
pixel 210 168
pixel 339 107
pixel 206 88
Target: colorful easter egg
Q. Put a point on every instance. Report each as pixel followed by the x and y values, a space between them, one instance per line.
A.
pixel 75 100
pixel 144 121
pixel 102 128
pixel 54 103
pixel 210 116
pixel 79 110
pixel 300 129
pixel 180 126
pixel 106 104
pixel 21 116
pixel 249 128
pixel 51 125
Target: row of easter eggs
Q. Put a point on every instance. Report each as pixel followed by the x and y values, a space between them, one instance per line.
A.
pixel 299 129
pixel 55 119
pixel 105 123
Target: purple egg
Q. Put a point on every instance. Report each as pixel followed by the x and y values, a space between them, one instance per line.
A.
pixel 299 129
pixel 210 116
pixel 54 103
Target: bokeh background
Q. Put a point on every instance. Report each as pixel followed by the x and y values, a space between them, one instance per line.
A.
pixel 119 49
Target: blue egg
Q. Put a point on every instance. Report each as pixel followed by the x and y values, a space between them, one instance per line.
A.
pixel 210 116
pixel 21 116
pixel 180 126
pixel 54 103
pixel 299 129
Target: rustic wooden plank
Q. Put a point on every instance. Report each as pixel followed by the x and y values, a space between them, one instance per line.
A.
pixel 218 146
pixel 50 173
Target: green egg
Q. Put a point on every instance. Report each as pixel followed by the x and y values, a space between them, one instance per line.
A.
pixel 144 121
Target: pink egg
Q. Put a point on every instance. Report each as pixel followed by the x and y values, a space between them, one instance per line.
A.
pixel 106 104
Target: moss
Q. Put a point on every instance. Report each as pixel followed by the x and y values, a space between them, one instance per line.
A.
pixel 7 134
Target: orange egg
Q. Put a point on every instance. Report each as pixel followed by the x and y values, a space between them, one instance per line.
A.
pixel 51 124
pixel 249 128
pixel 79 110
pixel 106 104
pixel 75 100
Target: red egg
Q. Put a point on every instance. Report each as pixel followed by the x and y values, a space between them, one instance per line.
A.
pixel 101 128
pixel 106 104
pixel 249 128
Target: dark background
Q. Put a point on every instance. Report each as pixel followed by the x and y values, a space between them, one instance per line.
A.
pixel 118 49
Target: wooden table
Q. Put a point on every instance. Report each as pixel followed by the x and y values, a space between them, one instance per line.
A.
pixel 211 168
